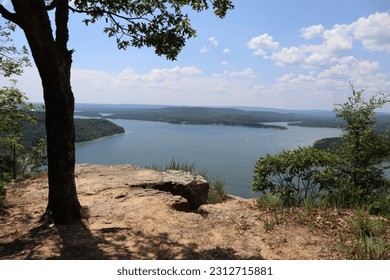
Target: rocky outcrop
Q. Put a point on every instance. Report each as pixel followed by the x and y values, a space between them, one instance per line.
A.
pixel 192 187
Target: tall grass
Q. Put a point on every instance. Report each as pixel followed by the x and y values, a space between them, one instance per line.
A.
pixel 217 192
pixel 368 238
pixel 174 165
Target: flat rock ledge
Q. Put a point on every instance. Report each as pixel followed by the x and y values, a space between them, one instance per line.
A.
pixel 190 186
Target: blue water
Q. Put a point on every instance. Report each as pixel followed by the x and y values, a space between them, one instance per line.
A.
pixel 221 151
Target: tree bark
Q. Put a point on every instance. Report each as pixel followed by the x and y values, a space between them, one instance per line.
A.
pixel 53 61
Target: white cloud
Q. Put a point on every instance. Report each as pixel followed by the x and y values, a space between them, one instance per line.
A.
pixel 226 50
pixel 264 41
pixel 262 44
pixel 335 40
pixel 261 52
pixel 338 38
pixel 323 89
pixel 247 72
pixel 291 55
pixel 312 31
pixel 373 31
pixel 213 41
pixel 176 86
pixel 225 62
pixel 191 86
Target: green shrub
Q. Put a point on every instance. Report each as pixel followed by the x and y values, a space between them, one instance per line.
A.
pixel 293 175
pixel 351 176
pixel 2 190
pixel 380 206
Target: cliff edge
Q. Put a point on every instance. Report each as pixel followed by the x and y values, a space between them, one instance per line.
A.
pixel 128 219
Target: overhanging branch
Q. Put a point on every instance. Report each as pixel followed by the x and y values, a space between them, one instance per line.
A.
pixel 52 5
pixel 8 15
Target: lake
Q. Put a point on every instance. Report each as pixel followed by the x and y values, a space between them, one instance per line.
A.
pixel 222 151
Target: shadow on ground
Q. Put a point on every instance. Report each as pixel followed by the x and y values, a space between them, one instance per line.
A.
pixel 77 242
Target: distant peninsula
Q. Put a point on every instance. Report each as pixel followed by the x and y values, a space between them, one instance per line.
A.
pixel 86 129
pixel 196 116
pixel 237 116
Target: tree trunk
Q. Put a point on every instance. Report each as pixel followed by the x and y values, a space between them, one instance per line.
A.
pixel 53 61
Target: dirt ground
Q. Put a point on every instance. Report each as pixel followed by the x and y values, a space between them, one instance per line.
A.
pixel 129 222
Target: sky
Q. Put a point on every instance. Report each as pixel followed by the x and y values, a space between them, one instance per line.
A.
pixel 298 54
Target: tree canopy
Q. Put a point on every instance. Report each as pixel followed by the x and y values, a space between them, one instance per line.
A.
pixel 160 24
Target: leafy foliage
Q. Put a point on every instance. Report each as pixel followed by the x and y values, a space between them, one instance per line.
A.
pixel 350 174
pixel 35 157
pixel 292 175
pixel 12 59
pixel 160 24
pixel 14 109
pixel 362 152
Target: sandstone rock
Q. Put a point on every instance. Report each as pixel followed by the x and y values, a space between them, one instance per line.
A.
pixel 192 187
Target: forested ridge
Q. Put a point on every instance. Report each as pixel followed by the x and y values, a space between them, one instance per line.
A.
pixel 86 129
pixel 222 116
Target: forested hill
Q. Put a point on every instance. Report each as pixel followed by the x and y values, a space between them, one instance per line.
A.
pixel 86 129
pixel 250 117
pixel 206 116
pixel 194 115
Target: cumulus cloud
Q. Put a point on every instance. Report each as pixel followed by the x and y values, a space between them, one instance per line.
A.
pixel 247 72
pixel 174 86
pixel 312 31
pixel 330 86
pixel 262 44
pixel 264 41
pixel 291 55
pixel 192 86
pixel 325 67
pixel 373 31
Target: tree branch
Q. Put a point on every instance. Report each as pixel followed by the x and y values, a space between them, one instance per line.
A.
pixel 52 5
pixel 61 19
pixel 111 14
pixel 8 15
